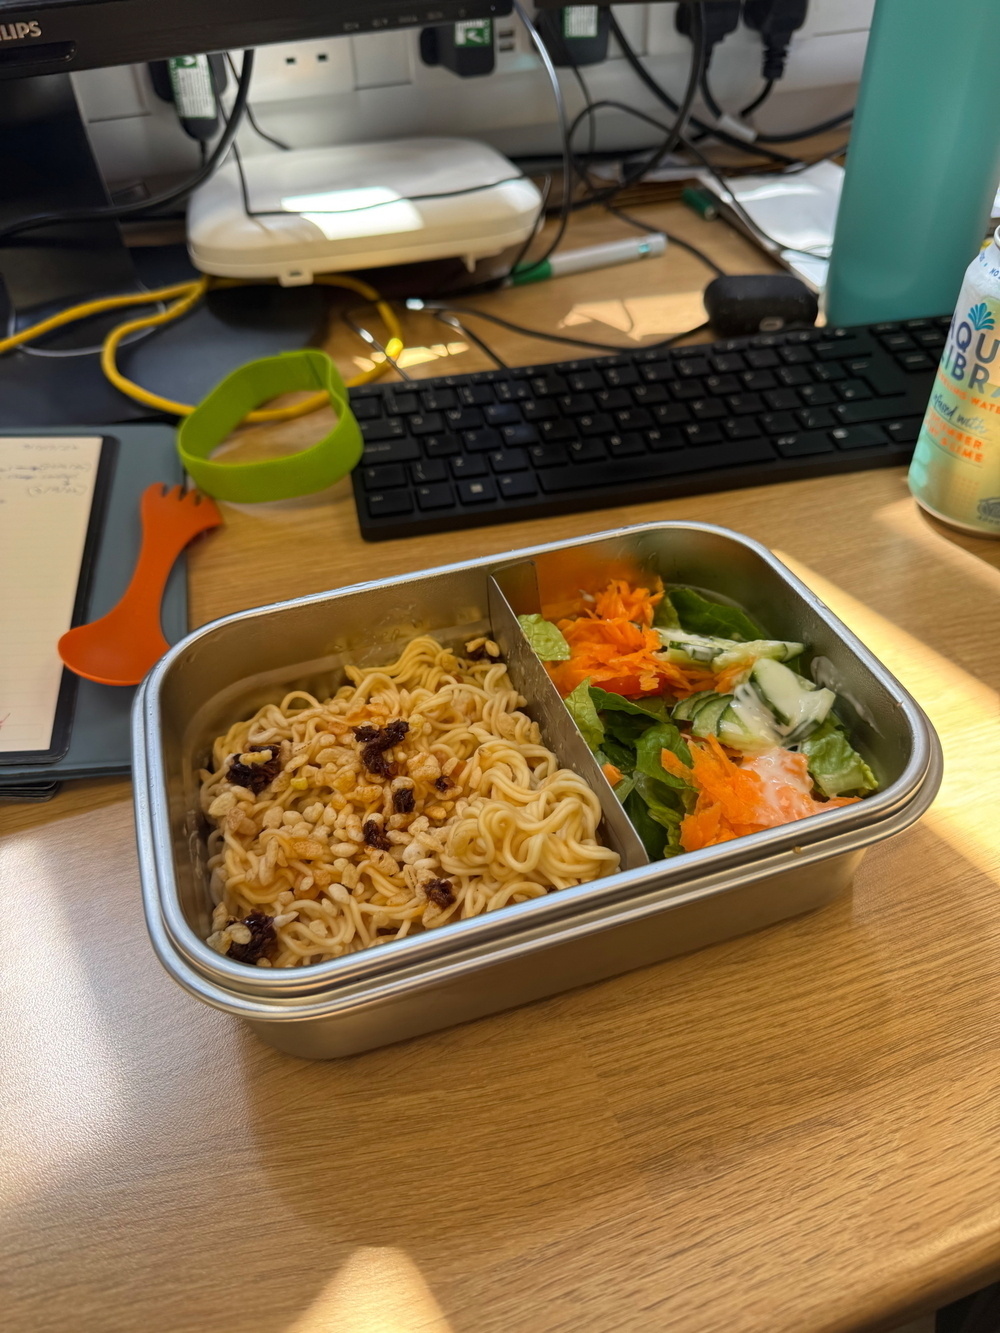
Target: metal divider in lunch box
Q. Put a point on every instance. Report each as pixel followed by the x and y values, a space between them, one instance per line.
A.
pixel 892 730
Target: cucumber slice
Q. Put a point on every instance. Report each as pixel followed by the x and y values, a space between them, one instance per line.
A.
pixel 686 709
pixel 747 724
pixel 706 720
pixel 798 706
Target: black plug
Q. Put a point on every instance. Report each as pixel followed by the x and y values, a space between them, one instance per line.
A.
pixel 776 21
pixel 719 19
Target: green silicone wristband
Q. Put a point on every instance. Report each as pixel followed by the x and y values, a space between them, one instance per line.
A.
pixel 275 478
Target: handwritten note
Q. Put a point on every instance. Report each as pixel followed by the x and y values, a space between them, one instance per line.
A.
pixel 46 493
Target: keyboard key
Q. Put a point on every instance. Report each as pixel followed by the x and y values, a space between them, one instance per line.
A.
pixel 658 372
pixel 702 433
pixel 671 414
pixel 857 437
pixel 587 451
pixel 722 384
pixel 728 362
pixel 557 430
pixel 391 451
pixel 509 460
pixel 903 431
pixel 512 391
pixel 930 338
pixel 382 478
pixel 739 428
pixel 438 400
pixel 464 418
pixel 829 373
pixel 685 390
pixel 793 375
pixel 402 403
pixel 693 367
pixel 707 409
pixel 621 377
pixel 477 492
pixel 548 455
pixel 482 441
pixel 777 423
pixel 367 409
pixel 804 442
pixel 795 356
pixel 637 418
pixel 585 382
pixel 899 342
pixel 858 365
pixel 765 360
pixel 373 431
pixel 548 386
pixel 817 395
pixel 520 486
pixel 782 400
pixel 429 471
pixel 576 404
pixel 626 446
pixel 431 423
pixel 436 496
pixel 742 403
pixel 876 409
pixel 758 380
pixel 851 391
pixel 502 414
pixel 524 434
pixel 660 440
pixel 475 395
pixel 828 351
pixel 915 361
pixel 469 465
pixel 648 395
pixel 886 327
pixel 540 409
pixel 387 504
pixel 441 446
pixel 600 424
pixel 816 418
pixel 613 400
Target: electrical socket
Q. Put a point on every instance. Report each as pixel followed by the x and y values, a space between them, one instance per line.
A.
pixel 292 70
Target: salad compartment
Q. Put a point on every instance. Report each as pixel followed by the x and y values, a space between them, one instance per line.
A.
pixel 645 912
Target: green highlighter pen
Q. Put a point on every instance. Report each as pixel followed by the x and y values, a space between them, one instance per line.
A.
pixel 591 257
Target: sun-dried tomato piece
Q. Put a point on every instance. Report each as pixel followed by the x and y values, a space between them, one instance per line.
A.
pixel 263 938
pixel 440 892
pixel 255 777
pixel 403 800
pixel 374 835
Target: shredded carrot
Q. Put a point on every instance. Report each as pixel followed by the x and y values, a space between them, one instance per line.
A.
pixel 615 647
pixel 735 800
pixel 613 774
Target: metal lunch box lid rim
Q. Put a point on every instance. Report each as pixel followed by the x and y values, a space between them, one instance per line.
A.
pixel 162 898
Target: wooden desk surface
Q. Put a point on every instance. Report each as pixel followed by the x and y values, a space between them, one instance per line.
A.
pixel 796 1132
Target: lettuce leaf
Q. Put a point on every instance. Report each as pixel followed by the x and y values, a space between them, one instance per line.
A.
pixel 545 638
pixel 666 616
pixel 662 807
pixel 652 834
pixel 584 714
pixel 700 616
pixel 662 736
pixel 834 764
pixel 655 710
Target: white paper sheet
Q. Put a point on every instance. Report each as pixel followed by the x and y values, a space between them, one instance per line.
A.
pixel 46 492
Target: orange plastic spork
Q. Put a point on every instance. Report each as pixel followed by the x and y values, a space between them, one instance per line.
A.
pixel 121 647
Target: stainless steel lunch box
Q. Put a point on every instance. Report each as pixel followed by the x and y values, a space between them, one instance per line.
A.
pixel 642 914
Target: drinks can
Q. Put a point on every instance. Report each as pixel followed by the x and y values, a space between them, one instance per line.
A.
pixel 955 473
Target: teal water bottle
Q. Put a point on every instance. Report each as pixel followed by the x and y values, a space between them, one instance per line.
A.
pixel 924 161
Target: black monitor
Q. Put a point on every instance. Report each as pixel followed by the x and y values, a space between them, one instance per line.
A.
pixel 58 36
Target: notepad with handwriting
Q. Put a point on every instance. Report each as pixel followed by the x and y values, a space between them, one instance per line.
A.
pixel 48 486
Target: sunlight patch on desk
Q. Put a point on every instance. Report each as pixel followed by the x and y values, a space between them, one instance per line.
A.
pixel 905 519
pixel 414 356
pixel 640 317
pixel 378 1290
pixel 965 712
pixel 62 1081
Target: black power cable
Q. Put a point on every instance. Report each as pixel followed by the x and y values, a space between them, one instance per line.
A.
pixel 142 206
pixel 252 119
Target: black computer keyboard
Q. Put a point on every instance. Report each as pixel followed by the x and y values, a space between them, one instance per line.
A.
pixel 465 450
